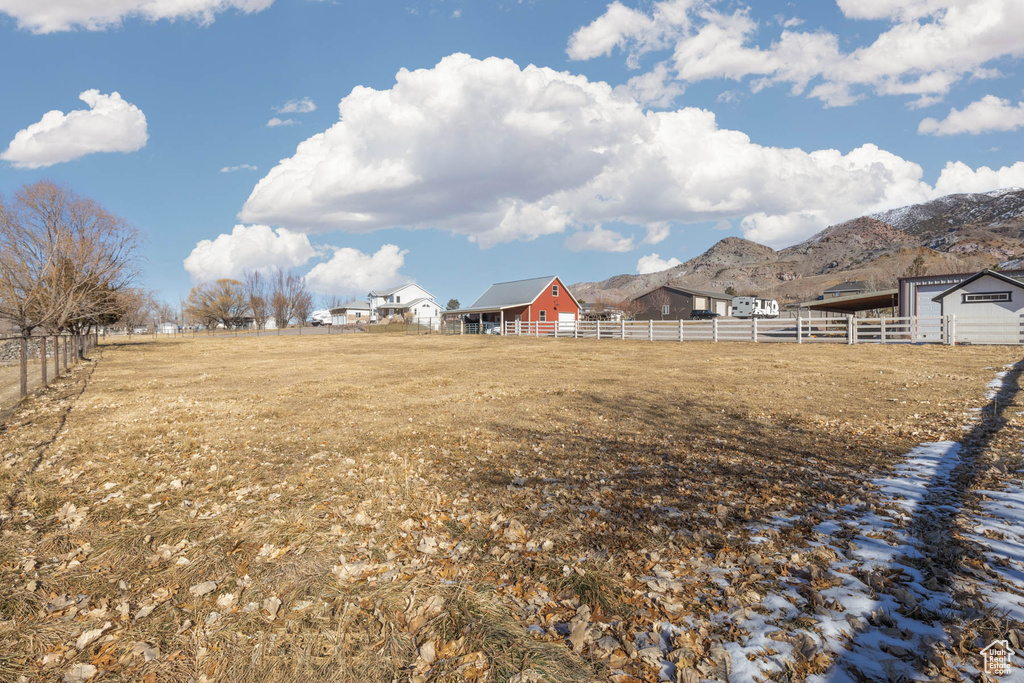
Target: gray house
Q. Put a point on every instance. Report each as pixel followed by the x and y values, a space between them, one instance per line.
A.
pixel 670 302
pixel 845 289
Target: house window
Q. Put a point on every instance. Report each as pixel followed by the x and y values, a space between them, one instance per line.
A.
pixel 554 290
pixel 543 316
pixel 391 299
pixel 665 309
pixel 985 297
pixel 834 294
pixel 398 299
pixel 358 314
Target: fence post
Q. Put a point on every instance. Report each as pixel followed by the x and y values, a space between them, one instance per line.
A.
pixel 753 328
pixel 56 356
pixel 799 331
pixel 951 327
pixel 650 330
pixel 881 329
pixel 24 367
pixel 622 331
pixel 576 329
pixel 680 329
pixel 557 325
pixel 714 329
pixel 598 329
pixel 42 358
pixel 850 336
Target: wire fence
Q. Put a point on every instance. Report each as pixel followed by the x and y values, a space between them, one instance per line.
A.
pixel 28 364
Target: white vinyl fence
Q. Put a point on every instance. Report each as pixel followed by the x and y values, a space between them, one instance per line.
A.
pixel 837 330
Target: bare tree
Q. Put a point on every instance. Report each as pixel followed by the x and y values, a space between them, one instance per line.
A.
pixel 137 305
pixel 302 300
pixel 255 285
pixel 290 298
pixel 659 300
pixel 329 301
pixel 221 302
pixel 281 298
pixel 630 308
pixel 63 258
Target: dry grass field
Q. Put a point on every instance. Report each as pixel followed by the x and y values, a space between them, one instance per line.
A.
pixel 357 508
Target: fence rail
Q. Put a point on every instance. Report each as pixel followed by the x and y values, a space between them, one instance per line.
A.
pixel 31 363
pixel 948 330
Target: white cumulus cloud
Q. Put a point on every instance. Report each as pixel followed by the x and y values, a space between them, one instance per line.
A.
pixel 49 16
pixel 988 114
pixel 926 47
pixel 253 247
pixel 303 106
pixel 500 153
pixel 653 263
pixel 598 239
pixel 352 271
pixel 109 125
pixel 275 122
pixel 958 177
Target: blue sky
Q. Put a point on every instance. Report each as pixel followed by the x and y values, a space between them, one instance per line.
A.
pixel 584 139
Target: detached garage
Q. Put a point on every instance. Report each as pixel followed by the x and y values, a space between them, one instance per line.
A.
pixel 987 308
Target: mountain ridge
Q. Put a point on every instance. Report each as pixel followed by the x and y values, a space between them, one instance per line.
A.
pixel 954 233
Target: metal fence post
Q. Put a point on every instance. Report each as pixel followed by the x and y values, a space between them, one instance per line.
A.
pixel 650 330
pixel 714 329
pixel 753 328
pixel 680 329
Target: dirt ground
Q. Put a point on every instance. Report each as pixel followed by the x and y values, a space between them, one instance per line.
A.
pixel 447 508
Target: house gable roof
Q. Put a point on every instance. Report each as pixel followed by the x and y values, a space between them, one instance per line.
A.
pixel 848 286
pixel 997 275
pixel 399 288
pixel 687 290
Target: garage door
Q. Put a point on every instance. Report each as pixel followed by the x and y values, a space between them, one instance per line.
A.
pixel 721 307
pixel 566 322
pixel 925 307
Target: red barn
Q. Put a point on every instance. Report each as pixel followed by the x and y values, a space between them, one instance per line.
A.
pixel 539 299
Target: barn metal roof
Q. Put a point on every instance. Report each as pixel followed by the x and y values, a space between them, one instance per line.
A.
pixel 515 293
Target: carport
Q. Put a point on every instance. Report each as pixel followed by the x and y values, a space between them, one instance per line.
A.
pixel 855 303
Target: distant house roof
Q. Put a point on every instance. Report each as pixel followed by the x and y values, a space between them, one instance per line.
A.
pixel 688 290
pixel 849 286
pixel 997 275
pixel 512 294
pixel 389 292
pixel 352 306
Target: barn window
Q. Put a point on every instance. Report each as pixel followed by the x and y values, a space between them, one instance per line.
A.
pixel 665 309
pixel 983 297
pixel 543 316
pixel 554 290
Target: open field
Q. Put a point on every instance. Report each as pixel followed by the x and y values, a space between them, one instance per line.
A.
pixel 361 508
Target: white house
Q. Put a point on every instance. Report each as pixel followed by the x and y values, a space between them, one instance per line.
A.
pixel 352 312
pixel 987 306
pixel 405 301
pixel 167 328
